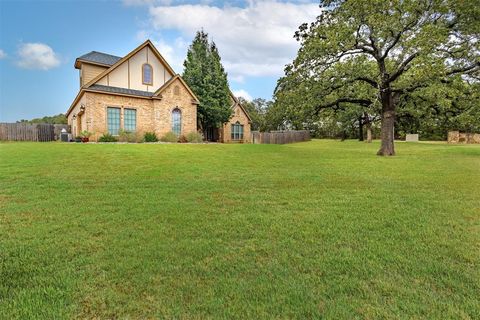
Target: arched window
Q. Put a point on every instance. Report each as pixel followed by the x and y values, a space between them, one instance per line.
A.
pixel 177 121
pixel 147 74
pixel 237 131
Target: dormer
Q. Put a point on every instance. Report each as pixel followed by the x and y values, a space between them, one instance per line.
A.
pixel 92 64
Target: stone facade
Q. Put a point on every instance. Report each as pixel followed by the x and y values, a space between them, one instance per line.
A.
pixel 153 114
pixel 411 137
pixel 240 117
pixel 460 137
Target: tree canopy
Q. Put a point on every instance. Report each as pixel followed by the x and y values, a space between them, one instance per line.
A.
pixel 57 119
pixel 207 78
pixel 376 54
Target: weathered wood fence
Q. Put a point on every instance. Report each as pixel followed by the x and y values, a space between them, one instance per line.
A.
pixel 280 137
pixel 31 132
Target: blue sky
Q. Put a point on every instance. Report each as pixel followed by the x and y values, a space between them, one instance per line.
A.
pixel 39 41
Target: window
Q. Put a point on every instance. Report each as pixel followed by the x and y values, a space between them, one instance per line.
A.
pixel 176 91
pixel 130 120
pixel 113 120
pixel 147 74
pixel 237 131
pixel 177 121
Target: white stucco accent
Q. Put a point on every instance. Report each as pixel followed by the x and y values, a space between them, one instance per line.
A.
pixel 119 77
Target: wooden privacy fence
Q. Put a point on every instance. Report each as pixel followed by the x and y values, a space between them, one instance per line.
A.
pixel 31 132
pixel 280 137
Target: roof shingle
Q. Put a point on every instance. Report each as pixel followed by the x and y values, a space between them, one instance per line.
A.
pixel 99 57
pixel 99 87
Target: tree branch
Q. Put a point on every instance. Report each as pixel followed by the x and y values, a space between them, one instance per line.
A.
pixel 403 67
pixel 363 102
pixel 464 69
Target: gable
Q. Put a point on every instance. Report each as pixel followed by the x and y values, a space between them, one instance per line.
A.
pixel 239 112
pixel 176 86
pixel 127 72
pixel 237 106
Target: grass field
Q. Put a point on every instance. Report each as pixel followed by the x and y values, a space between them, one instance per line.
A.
pixel 322 229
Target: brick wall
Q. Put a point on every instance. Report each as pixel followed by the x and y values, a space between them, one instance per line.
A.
pixel 153 115
pixel 241 117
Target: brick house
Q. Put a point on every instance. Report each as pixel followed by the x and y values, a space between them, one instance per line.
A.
pixel 141 93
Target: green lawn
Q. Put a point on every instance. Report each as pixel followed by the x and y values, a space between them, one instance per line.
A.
pixel 323 229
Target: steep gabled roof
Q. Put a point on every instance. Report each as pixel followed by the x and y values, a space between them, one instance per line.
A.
pixel 236 102
pixel 98 58
pixel 128 56
pixel 169 82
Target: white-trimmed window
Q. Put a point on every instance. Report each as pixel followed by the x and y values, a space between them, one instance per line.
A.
pixel 147 74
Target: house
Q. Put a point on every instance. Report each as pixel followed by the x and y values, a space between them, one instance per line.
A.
pixel 140 92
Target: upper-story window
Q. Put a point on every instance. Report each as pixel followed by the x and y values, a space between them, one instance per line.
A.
pixel 147 74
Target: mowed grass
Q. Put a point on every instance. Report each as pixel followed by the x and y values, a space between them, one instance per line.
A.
pixel 322 229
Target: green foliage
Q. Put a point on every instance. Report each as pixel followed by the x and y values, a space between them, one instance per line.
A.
pixel 437 109
pixel 107 137
pixel 182 139
pixel 57 119
pixel 85 134
pixel 315 230
pixel 169 137
pixel 207 78
pixel 150 137
pixel 376 57
pixel 257 109
pixel 194 137
pixel 127 136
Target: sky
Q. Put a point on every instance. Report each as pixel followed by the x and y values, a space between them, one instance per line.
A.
pixel 40 40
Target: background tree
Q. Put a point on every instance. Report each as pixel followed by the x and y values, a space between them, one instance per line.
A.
pixel 207 78
pixel 57 119
pixel 257 109
pixel 393 47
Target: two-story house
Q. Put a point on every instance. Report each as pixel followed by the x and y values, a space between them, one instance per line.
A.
pixel 142 93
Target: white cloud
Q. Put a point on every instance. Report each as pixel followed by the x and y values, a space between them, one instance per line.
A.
pixel 174 53
pixel 256 40
pixel 242 93
pixel 2 54
pixel 37 56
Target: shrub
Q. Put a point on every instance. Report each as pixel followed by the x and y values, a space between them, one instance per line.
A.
pixel 169 137
pixel 85 134
pixel 182 139
pixel 107 137
pixel 127 136
pixel 194 137
pixel 150 137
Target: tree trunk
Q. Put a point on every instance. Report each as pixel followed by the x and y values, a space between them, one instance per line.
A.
pixel 387 147
pixel 360 128
pixel 369 132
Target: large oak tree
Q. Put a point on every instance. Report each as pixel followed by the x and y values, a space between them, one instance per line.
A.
pixel 376 51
